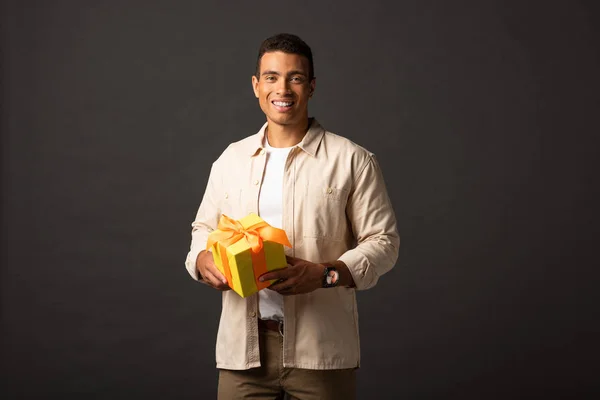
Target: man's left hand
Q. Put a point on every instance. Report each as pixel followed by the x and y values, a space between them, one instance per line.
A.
pixel 299 277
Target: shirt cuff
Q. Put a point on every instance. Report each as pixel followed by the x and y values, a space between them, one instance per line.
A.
pixel 359 267
pixel 190 264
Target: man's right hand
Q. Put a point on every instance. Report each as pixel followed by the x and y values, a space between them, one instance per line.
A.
pixel 208 271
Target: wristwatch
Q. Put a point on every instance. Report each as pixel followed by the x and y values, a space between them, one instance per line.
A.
pixel 331 276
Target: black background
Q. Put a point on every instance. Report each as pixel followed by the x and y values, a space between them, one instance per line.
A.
pixel 483 115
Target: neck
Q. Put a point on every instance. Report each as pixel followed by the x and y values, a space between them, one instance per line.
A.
pixel 286 135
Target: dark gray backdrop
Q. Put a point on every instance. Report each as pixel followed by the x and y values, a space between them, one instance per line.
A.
pixel 483 115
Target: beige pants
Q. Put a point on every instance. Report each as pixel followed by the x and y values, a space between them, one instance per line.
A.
pixel 272 381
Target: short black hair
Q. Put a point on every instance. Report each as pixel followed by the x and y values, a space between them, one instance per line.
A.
pixel 287 43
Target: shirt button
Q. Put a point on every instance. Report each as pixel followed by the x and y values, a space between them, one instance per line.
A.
pixel 329 190
pixel 256 182
pixel 262 152
pixel 253 314
pixel 226 195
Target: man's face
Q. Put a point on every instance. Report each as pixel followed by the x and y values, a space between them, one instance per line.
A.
pixel 284 88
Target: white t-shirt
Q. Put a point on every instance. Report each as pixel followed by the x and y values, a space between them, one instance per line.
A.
pixel 270 208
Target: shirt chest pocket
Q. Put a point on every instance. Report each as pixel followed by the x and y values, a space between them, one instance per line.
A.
pixel 324 213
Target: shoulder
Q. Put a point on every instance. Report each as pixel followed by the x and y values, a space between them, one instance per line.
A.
pixel 346 149
pixel 242 148
pixel 345 144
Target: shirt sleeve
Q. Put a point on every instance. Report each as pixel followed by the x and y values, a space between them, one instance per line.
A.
pixel 373 221
pixel 206 220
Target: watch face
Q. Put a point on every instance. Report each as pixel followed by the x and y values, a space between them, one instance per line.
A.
pixel 332 276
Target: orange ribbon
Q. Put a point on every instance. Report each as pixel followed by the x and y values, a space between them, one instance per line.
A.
pixel 231 231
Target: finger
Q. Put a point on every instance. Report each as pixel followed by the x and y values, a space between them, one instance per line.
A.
pixel 275 275
pixel 206 266
pixel 209 277
pixel 213 280
pixel 282 285
pixel 216 273
pixel 270 276
pixel 277 285
pixel 285 290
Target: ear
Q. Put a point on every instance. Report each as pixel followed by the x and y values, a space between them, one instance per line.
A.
pixel 255 85
pixel 313 84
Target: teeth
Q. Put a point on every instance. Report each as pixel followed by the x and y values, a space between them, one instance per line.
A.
pixel 282 103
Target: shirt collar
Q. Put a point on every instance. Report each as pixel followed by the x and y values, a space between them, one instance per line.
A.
pixel 309 143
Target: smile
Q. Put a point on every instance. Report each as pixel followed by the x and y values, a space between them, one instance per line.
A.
pixel 283 103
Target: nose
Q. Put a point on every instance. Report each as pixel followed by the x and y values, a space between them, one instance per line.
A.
pixel 283 87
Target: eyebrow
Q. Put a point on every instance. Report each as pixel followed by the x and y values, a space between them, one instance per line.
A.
pixel 295 72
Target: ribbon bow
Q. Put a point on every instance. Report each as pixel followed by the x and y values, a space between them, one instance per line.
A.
pixel 231 231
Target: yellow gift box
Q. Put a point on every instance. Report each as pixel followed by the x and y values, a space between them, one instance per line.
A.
pixel 243 250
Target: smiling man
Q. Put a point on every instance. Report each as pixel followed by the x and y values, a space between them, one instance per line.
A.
pixel 300 335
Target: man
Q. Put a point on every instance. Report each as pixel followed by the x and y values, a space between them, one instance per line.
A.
pixel 300 335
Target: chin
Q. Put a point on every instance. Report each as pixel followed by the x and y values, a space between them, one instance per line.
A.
pixel 282 121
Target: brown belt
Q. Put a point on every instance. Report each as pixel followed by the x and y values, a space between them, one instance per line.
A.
pixel 270 325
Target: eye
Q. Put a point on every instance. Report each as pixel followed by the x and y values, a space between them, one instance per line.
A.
pixel 270 78
pixel 297 79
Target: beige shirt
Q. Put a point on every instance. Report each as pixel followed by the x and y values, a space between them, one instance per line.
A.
pixel 335 207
